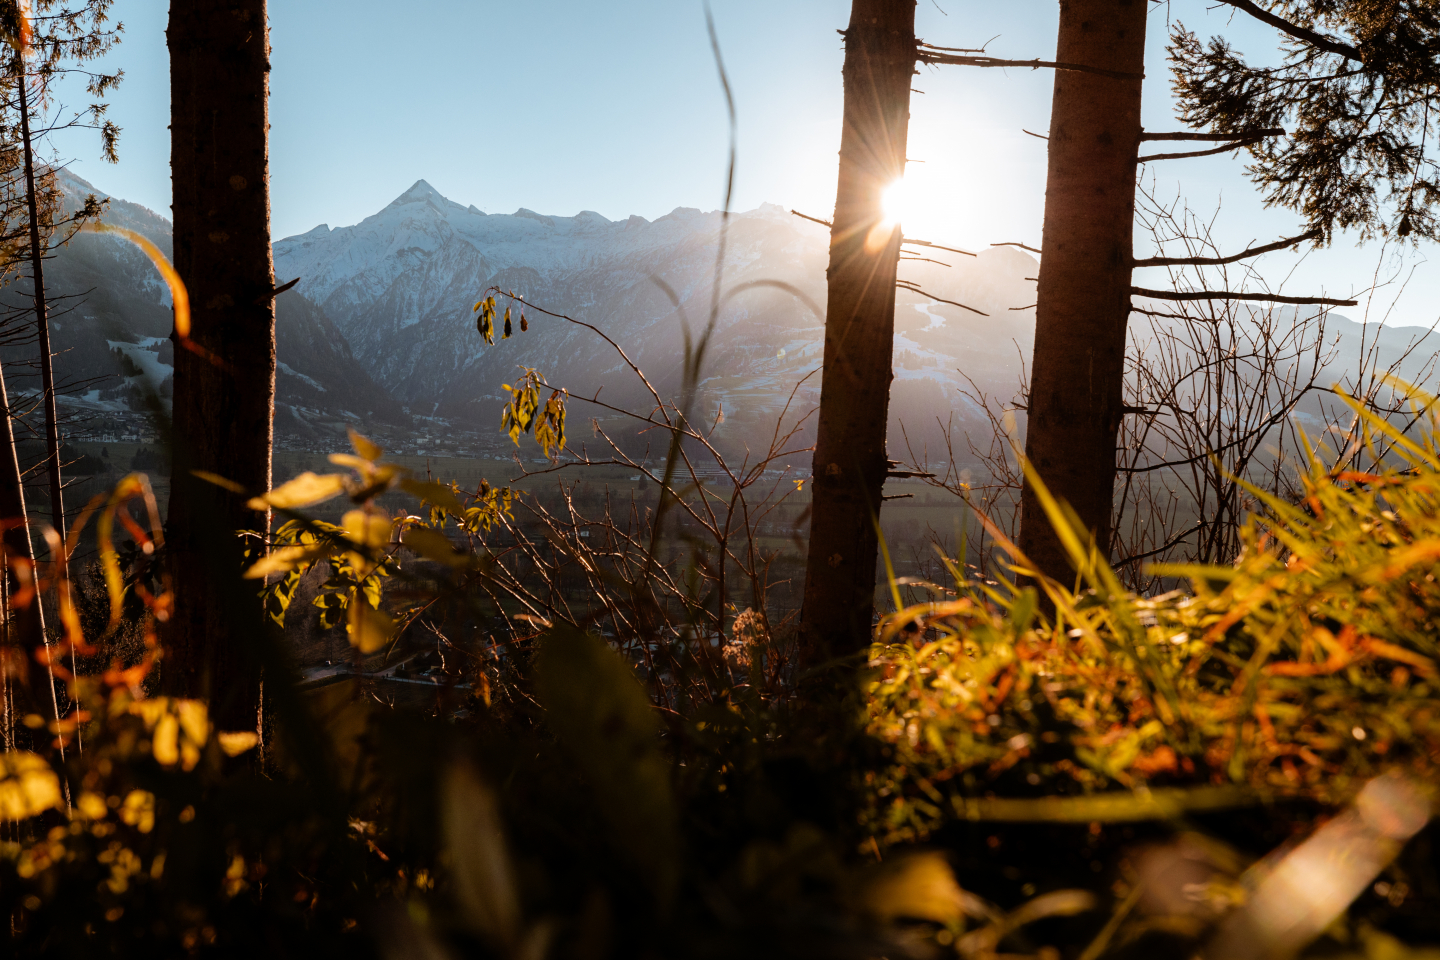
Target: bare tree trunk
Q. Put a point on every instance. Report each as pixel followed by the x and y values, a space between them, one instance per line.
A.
pixel 42 320
pixel 224 403
pixel 850 461
pixel 1076 400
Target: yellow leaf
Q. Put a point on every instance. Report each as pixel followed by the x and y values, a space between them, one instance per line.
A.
pixel 151 710
pixel 349 460
pixel 285 559
pixel 138 810
pixel 364 447
pixel 306 489
pixel 194 720
pixel 434 493
pixel 28 785
pixel 919 887
pixel 367 529
pixel 369 629
pixel 434 545
pixel 91 805
pixel 166 740
pixel 237 743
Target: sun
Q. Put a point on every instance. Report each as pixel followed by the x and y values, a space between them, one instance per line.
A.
pixel 897 201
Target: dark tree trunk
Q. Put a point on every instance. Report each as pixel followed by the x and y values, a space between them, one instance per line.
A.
pixel 42 320
pixel 1084 290
pixel 850 462
pixel 224 407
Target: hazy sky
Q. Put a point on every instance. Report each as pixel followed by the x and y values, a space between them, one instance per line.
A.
pixel 569 105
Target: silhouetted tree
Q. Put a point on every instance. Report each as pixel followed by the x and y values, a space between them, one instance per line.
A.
pixel 850 461
pixel 224 390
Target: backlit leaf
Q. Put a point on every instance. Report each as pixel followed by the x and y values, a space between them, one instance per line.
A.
pixel 305 490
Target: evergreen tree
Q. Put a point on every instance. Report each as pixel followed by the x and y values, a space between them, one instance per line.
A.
pixel 225 384
pixel 850 462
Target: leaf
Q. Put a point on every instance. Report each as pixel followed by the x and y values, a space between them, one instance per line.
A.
pixel 602 716
pixel 305 490
pixel 918 886
pixel 437 494
pixel 434 545
pixel 485 887
pixel 367 529
pixel 507 324
pixel 369 629
pixel 286 559
pixel 364 447
pixel 28 785
pixel 238 742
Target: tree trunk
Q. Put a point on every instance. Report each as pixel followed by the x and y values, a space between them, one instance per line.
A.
pixel 850 462
pixel 224 403
pixel 1076 396
pixel 42 320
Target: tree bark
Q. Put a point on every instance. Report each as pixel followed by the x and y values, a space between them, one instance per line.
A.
pixel 850 462
pixel 1083 302
pixel 42 320
pixel 224 403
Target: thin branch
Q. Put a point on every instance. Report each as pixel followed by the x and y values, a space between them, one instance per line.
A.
pixel 1011 243
pixel 1220 261
pixel 936 246
pixel 1038 136
pixel 1161 549
pixel 924 55
pixel 1233 295
pixel 1247 141
pixel 1267 132
pixel 803 216
pixel 1317 40
pixel 915 288
pixel 926 260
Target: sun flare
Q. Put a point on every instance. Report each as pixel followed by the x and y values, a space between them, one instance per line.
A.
pixel 897 201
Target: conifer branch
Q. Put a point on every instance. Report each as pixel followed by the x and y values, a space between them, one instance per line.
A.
pixel 1221 261
pixel 1316 40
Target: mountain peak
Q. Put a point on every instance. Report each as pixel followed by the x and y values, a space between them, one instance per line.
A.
pixel 419 191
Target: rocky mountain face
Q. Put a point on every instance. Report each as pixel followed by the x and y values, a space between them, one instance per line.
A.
pixel 379 332
pixel 401 286
pixel 111 319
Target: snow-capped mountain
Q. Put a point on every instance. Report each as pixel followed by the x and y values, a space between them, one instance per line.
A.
pixel 402 283
pixel 111 324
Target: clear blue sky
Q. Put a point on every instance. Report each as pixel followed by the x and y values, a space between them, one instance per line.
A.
pixel 565 105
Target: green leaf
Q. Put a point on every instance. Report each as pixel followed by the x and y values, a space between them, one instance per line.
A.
pixel 601 715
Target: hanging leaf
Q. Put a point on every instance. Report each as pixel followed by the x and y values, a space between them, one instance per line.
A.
pixel 507 324
pixel 524 324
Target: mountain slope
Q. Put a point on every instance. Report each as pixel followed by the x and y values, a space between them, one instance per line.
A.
pixel 110 331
